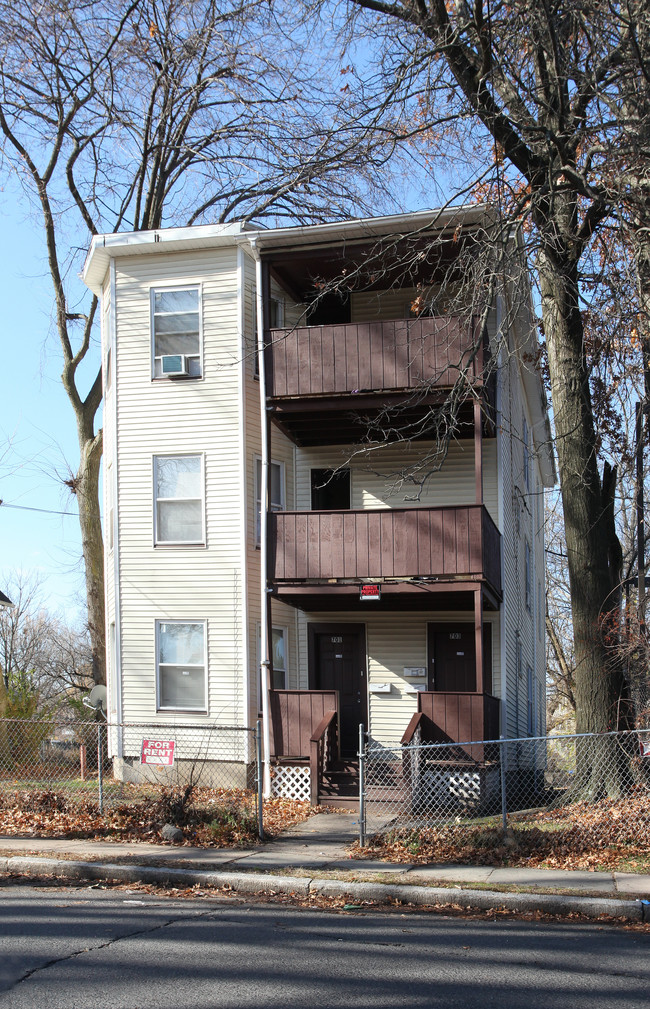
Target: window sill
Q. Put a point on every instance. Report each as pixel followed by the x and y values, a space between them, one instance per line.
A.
pixel 181 711
pixel 181 545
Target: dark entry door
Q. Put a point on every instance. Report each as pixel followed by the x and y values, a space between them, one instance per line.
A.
pixel 452 657
pixel 337 661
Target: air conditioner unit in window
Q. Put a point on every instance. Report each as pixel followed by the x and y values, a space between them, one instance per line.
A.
pixel 175 364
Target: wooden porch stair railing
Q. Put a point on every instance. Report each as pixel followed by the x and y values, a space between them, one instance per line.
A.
pixel 305 730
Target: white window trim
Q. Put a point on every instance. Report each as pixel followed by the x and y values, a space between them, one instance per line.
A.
pixel 258 657
pixel 204 708
pixel 157 289
pixel 178 543
pixel 257 493
pixel 281 303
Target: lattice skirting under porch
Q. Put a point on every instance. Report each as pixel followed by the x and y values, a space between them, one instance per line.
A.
pixel 291 782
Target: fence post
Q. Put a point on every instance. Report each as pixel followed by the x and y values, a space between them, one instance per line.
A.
pixel 504 800
pixel 100 767
pixel 362 787
pixel 260 779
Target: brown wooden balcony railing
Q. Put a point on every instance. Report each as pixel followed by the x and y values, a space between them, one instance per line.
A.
pixel 364 356
pixel 454 717
pixel 461 542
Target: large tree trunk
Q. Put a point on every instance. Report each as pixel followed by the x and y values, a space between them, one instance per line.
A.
pixel 587 518
pixel 87 490
pixel 593 552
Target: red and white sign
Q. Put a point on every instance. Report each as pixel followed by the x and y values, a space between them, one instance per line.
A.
pixel 645 747
pixel 368 592
pixel 158 751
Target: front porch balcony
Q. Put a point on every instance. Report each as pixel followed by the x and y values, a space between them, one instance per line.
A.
pixel 329 553
pixel 391 354
pixel 324 382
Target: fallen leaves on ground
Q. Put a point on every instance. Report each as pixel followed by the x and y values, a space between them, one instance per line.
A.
pixel 607 835
pixel 210 817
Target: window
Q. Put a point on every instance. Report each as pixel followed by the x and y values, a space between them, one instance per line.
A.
pixel 528 575
pixel 180 665
pixel 278 654
pixel 111 514
pixel 276 504
pixel 276 321
pixel 278 658
pixel 176 329
pixel 526 459
pixel 530 702
pixel 330 489
pixel 178 512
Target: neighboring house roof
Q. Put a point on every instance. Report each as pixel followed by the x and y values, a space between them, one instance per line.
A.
pixel 5 600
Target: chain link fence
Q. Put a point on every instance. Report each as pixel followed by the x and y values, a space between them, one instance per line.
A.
pixel 119 764
pixel 595 788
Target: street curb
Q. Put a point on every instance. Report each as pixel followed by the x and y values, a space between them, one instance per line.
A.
pixel 240 882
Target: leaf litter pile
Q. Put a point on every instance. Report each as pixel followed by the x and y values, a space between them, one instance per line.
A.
pixel 208 817
pixel 609 834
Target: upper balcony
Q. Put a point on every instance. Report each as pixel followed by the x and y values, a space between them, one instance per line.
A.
pixel 347 371
pixel 319 559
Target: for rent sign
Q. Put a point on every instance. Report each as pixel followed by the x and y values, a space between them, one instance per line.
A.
pixel 157 751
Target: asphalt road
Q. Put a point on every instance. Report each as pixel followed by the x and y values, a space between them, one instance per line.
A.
pixel 81 948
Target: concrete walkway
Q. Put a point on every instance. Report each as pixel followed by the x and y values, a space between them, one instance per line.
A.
pixel 318 846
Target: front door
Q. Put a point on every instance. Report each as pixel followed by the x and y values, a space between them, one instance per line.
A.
pixel 452 657
pixel 337 661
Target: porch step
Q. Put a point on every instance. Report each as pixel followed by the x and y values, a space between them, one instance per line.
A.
pixel 340 785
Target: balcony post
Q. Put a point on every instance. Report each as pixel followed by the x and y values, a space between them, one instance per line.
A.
pixel 478 629
pixel 478 451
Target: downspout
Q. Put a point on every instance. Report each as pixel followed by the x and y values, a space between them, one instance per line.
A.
pixel 243 491
pixel 117 588
pixel 501 505
pixel 265 661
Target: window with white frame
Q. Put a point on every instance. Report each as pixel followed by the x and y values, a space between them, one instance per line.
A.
pixel 180 665
pixel 178 492
pixel 276 503
pixel 528 575
pixel 276 321
pixel 279 660
pixel 176 332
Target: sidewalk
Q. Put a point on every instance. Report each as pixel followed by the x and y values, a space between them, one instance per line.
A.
pixel 316 849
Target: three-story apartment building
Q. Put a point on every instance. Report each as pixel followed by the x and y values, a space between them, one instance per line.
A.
pixel 324 478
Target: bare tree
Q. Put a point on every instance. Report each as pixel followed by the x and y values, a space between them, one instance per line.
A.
pixel 44 661
pixel 137 114
pixel 527 79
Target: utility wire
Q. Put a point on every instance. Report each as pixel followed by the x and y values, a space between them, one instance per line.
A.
pixel 45 511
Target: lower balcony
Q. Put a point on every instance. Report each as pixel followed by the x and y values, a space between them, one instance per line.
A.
pixel 322 558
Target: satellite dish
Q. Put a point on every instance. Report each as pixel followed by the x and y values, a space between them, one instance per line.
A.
pixel 97 698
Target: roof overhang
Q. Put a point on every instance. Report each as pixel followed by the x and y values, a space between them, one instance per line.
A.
pixel 264 240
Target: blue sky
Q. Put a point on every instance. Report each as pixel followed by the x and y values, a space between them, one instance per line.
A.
pixel 37 431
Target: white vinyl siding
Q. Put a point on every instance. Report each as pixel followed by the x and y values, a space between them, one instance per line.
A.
pixel 173 419
pixel 375 480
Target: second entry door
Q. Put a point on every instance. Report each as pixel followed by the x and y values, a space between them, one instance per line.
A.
pixel 337 661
